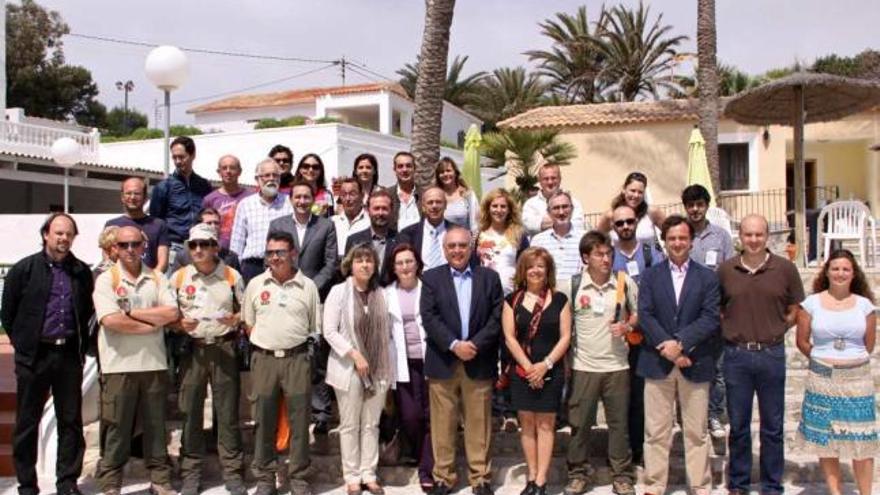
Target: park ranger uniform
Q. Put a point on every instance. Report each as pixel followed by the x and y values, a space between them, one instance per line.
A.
pixel 134 377
pixel 211 359
pixel 282 317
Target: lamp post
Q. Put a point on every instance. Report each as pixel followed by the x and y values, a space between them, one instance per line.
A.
pixel 125 87
pixel 66 152
pixel 168 69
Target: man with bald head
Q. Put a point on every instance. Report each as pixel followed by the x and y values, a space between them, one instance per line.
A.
pixel 253 216
pixel 225 198
pixel 462 326
pixel 46 310
pixel 760 296
pixel 428 233
pixel 134 195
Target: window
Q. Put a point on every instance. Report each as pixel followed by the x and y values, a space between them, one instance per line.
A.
pixel 733 162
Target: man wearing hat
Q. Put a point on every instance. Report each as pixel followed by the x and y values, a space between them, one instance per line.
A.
pixel 209 294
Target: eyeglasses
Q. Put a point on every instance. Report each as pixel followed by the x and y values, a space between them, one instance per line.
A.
pixel 129 245
pixel 281 253
pixel 201 244
pixel 310 166
pixel 625 221
pixel 283 160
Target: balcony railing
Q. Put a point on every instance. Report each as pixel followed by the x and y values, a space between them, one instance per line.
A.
pixel 776 205
pixel 36 140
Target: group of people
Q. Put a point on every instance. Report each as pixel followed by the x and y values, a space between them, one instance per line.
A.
pixel 452 307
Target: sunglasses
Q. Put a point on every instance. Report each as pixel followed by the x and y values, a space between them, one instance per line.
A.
pixel 129 245
pixel 310 166
pixel 201 244
pixel 626 221
pixel 281 253
pixel 283 160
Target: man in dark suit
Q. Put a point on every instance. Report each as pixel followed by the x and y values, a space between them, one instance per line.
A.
pixel 404 195
pixel 461 312
pixel 679 316
pixel 315 240
pixel 380 235
pixel 427 235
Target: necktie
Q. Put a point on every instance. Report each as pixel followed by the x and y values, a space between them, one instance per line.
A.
pixel 435 256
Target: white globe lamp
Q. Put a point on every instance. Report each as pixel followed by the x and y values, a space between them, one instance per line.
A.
pixel 168 69
pixel 66 153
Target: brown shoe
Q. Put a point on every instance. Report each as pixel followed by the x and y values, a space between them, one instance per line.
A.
pixel 374 488
pixel 576 486
pixel 623 487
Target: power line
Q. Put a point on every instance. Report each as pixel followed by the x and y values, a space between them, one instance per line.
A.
pixel 371 71
pixel 121 41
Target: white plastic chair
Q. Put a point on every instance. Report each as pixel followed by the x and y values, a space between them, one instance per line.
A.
pixel 719 217
pixel 847 221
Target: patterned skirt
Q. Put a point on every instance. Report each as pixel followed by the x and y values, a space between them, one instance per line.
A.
pixel 839 413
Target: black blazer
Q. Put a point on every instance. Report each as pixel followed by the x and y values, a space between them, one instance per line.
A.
pixel 25 294
pixel 317 256
pixel 365 236
pixel 440 317
pixel 695 321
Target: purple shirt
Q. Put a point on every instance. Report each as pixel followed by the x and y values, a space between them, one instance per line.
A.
pixel 225 204
pixel 59 322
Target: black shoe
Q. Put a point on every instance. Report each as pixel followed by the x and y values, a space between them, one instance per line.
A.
pixel 540 490
pixel 483 489
pixel 529 489
pixel 321 428
pixel 236 487
pixel 71 489
pixel 441 489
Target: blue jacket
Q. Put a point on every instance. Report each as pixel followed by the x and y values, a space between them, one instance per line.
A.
pixel 440 317
pixel 178 202
pixel 695 321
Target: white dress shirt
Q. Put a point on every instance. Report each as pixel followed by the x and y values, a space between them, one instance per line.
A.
pixel 345 227
pixel 678 275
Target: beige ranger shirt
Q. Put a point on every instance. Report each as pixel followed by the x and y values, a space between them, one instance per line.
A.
pixel 281 316
pixel 123 352
pixel 207 297
pixel 595 349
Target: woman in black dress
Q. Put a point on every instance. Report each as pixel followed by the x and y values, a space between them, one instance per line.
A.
pixel 537 329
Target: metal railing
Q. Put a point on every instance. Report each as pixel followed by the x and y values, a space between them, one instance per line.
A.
pixel 36 140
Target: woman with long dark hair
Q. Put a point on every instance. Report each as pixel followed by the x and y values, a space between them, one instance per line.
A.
pixel 311 170
pixel 836 330
pixel 361 367
pixel 366 171
pixel 632 194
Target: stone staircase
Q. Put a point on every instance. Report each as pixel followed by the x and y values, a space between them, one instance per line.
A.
pixel 508 465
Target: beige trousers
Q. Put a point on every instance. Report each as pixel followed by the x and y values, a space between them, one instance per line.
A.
pixel 359 431
pixel 693 399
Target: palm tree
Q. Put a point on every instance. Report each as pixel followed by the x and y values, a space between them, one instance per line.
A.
pixel 430 86
pixel 732 80
pixel 572 64
pixel 707 77
pixel 523 151
pixel 507 92
pixel 636 53
pixel 457 91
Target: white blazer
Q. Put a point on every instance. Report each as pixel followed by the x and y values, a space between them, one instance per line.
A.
pixel 340 335
pixel 396 321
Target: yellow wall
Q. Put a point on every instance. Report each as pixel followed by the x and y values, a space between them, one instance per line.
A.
pixel 842 163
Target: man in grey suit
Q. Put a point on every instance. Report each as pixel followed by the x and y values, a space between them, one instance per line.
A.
pixel 315 241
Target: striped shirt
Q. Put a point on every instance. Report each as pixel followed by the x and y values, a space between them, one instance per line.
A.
pixel 252 218
pixel 565 251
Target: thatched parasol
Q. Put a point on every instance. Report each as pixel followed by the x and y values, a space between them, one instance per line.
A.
pixel 794 100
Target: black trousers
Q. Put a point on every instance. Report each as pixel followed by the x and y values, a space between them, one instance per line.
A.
pixel 58 370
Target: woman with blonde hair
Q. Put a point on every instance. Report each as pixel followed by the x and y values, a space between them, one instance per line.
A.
pixel 361 367
pixel 501 237
pixel 461 202
pixel 836 330
pixel 536 320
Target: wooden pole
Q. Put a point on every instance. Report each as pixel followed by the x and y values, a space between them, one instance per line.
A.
pixel 799 189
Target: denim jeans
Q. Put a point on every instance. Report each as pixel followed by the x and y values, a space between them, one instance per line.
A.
pixel 717 390
pixel 747 373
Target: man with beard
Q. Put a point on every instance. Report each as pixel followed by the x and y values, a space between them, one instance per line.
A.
pixel 283 156
pixel 253 216
pixel 134 195
pixel 380 235
pixel 46 310
pixel 536 216
pixel 225 198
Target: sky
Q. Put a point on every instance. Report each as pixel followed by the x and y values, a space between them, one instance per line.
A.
pixel 383 35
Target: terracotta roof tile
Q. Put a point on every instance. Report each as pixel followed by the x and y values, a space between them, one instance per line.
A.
pixel 292 97
pixel 604 114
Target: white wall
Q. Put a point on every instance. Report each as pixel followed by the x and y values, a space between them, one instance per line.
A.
pixel 455 120
pixel 27 240
pixel 238 120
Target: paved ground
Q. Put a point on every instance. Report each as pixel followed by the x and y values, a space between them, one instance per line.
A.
pixel 7 487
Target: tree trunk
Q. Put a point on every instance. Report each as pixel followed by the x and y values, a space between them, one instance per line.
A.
pixel 428 113
pixel 707 82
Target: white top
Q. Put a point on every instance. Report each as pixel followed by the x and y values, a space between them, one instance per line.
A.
pixel 497 253
pixel 408 213
pixel 565 251
pixel 838 334
pixel 463 211
pixel 678 275
pixel 536 207
pixel 251 226
pixel 344 228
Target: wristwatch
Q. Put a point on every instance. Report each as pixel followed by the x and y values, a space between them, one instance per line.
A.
pixel 548 363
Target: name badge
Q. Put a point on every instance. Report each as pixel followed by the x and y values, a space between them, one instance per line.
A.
pixel 711 258
pixel 209 340
pixel 279 354
pixel 599 305
pixel 632 268
pixel 839 344
pixel 201 299
pixel 282 299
